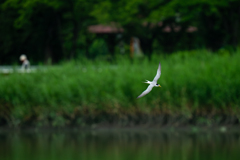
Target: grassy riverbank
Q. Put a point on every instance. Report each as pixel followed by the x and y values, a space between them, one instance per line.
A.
pixel 196 82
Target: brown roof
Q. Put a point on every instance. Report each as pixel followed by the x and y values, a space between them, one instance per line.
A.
pixel 190 29
pixel 113 29
pixel 104 29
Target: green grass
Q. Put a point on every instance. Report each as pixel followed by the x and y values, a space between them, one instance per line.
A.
pixel 191 81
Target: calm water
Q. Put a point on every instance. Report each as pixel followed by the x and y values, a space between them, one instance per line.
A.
pixel 119 145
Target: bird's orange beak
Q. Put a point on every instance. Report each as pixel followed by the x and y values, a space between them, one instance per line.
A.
pixel 159 86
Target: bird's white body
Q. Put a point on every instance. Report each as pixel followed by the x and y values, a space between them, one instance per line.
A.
pixel 153 83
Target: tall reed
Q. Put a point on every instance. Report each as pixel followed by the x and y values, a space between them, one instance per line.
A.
pixel 192 80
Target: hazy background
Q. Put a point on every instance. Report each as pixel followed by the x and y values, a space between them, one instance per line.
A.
pixel 53 31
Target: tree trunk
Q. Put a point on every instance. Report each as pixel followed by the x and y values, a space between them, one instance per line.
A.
pixel 111 44
pixel 74 39
pixel 48 50
pixel 48 55
pixel 236 32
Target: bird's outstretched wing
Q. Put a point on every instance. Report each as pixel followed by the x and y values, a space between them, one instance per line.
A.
pixel 146 91
pixel 158 73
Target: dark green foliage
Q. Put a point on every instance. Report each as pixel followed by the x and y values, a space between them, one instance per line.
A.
pixel 54 30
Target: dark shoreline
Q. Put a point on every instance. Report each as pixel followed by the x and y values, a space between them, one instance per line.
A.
pixel 106 119
pixel 229 129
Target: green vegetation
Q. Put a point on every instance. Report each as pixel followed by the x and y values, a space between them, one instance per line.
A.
pixel 192 82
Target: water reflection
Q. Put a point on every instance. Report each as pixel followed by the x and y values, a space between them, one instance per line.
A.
pixel 113 145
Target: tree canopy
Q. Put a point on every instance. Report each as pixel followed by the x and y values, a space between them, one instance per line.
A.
pixel 54 30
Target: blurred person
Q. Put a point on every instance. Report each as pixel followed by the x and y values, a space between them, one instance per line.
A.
pixel 25 63
pixel 135 48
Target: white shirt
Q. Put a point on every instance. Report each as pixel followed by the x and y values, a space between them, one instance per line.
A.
pixel 25 64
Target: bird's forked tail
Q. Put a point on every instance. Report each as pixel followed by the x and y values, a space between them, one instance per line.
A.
pixel 147 81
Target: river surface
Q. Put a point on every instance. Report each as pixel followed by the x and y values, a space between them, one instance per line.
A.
pixel 125 144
